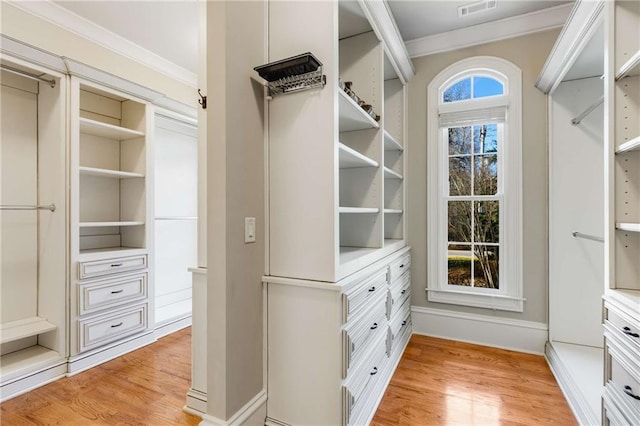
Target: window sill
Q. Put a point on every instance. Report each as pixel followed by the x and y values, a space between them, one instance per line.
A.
pixel 479 300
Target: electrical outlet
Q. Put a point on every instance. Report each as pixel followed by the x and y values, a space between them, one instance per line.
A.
pixel 249 229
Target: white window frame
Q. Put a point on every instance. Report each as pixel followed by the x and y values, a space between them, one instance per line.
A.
pixel 510 295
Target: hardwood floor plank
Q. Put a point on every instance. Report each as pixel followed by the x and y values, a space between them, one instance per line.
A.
pixel 443 382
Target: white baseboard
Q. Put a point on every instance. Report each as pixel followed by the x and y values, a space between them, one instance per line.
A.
pixel 503 333
pixel 196 403
pixel 85 361
pixel 172 326
pixel 32 381
pixel 241 416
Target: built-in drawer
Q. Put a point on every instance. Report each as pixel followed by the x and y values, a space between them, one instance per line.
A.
pixel 358 388
pixel 112 292
pixel 613 415
pixel 623 377
pixel 399 266
pixel 100 330
pixel 361 332
pixel 397 326
pixel 398 295
pixel 96 268
pixel 624 326
pixel 357 298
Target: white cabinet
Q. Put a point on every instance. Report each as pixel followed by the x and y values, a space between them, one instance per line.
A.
pixel 336 186
pixel 111 282
pixel 622 277
pixel 33 305
pixel 333 347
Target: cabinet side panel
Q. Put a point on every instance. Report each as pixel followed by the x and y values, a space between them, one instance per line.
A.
pixel 302 148
pixel 393 109
pixel 304 355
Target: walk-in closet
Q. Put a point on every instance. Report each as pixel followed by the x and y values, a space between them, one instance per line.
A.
pixel 33 225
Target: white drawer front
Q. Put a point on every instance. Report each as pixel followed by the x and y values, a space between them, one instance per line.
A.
pixel 399 266
pixel 96 268
pixel 360 333
pixel 399 323
pixel 112 292
pixel 399 294
pixel 624 378
pixel 356 298
pixel 101 330
pixel 359 386
pixel 624 326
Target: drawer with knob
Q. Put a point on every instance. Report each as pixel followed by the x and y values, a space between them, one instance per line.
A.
pixel 359 296
pixel 360 333
pixel 97 268
pixel 622 376
pixel 626 327
pixel 101 294
pixel 103 329
pixel 398 294
pixel 399 267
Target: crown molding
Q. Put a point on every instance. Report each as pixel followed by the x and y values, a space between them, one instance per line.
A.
pixel 502 29
pixel 58 15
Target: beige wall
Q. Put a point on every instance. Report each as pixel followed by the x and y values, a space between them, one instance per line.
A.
pixel 529 54
pixel 235 164
pixel 44 35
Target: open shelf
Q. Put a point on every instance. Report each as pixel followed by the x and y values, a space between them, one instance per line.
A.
pixel 631 227
pixel 32 358
pixel 390 174
pixel 16 330
pixel 106 224
pixel 390 144
pixel 632 145
pixel 115 174
pixel 629 68
pixel 98 128
pixel 367 210
pixel 350 158
pixel 352 117
pixel 392 211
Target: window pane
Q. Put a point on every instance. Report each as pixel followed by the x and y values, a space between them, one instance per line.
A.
pixel 486 267
pixel 459 264
pixel 485 138
pixel 485 86
pixel 460 175
pixel 460 140
pixel 459 221
pixel 459 91
pixel 487 222
pixel 485 177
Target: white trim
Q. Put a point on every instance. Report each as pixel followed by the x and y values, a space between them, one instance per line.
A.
pixel 31 54
pixel 503 333
pixel 581 24
pixel 196 402
pixel 516 26
pixel 171 326
pixel 33 380
pixel 509 189
pixel 58 15
pixel 241 415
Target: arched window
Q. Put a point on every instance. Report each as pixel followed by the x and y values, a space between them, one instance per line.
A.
pixel 475 185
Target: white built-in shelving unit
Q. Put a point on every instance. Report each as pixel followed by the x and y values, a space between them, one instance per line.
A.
pixel 33 281
pixel 337 240
pixel 622 237
pixel 111 282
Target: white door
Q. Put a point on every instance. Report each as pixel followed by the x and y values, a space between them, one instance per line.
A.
pixel 576 204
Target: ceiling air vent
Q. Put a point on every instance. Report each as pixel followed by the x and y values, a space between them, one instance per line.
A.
pixel 479 6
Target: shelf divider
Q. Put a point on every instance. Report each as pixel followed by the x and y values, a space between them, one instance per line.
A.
pixel 107 224
pixel 367 210
pixel 28 327
pixel 629 68
pixel 390 174
pixel 631 227
pixel 390 143
pixel 632 145
pixel 115 174
pixel 350 158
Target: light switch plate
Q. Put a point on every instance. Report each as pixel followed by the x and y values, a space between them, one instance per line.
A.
pixel 249 229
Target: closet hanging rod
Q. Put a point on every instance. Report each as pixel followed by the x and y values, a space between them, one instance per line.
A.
pixel 51 207
pixel 12 70
pixel 576 234
pixel 586 112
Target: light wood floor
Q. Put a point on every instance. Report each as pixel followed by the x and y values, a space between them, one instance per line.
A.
pixel 145 387
pixel 442 382
pixel 438 382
